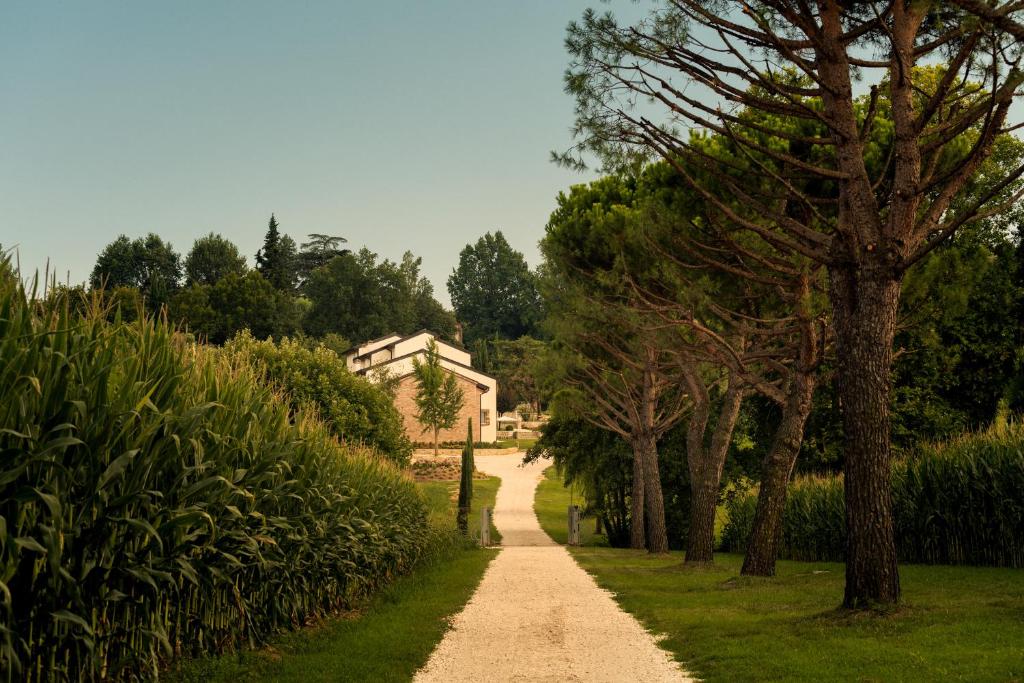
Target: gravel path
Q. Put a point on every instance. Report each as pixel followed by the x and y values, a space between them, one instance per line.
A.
pixel 537 616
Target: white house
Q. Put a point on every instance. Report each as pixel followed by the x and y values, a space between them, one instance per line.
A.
pixel 395 353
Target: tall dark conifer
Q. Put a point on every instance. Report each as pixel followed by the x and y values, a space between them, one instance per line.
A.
pixel 276 261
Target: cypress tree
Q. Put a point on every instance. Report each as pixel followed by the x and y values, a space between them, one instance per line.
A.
pixel 466 482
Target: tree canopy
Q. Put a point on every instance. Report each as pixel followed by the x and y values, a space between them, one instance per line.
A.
pixel 211 258
pixel 493 292
pixel 148 264
pixel 359 297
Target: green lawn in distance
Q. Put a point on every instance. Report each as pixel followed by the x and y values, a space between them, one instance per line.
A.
pixel 551 504
pixel 389 637
pixel 521 444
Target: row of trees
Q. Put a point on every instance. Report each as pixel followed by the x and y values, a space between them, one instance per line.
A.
pixel 791 201
pixel 316 288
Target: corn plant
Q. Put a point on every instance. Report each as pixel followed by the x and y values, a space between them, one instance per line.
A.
pixel 158 500
pixel 958 502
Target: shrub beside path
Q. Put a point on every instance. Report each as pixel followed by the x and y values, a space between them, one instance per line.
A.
pixel 537 616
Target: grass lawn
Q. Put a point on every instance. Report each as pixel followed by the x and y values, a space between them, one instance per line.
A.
pixel 522 444
pixel 443 496
pixel 956 623
pixel 551 504
pixel 386 639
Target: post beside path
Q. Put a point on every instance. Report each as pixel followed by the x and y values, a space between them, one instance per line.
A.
pixel 485 527
pixel 574 525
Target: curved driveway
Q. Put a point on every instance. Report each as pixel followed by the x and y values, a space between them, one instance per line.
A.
pixel 537 616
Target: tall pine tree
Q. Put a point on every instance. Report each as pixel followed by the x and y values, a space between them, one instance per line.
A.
pixel 276 261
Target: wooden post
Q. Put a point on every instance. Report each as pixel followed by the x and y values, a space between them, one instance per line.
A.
pixel 574 525
pixel 485 527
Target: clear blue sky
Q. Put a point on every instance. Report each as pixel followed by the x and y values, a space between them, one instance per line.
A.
pixel 399 125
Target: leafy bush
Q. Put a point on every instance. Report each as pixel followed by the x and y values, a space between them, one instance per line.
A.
pixel 158 500
pixel 357 411
pixel 959 502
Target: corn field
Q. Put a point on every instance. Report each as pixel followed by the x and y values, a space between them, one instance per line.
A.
pixel 158 501
pixel 959 502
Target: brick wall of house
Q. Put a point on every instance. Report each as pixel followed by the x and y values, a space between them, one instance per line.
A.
pixel 405 402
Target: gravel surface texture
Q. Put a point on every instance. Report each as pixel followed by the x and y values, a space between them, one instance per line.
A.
pixel 537 616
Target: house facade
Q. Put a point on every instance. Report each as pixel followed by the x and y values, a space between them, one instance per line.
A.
pixel 394 355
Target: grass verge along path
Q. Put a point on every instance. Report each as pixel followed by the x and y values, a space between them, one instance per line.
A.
pixel 955 623
pixel 552 507
pixel 389 637
pixel 443 496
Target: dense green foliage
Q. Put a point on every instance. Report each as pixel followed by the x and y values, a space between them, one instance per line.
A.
pixel 158 500
pixel 517 365
pixel 493 291
pixel 598 464
pixel 320 290
pixel 236 302
pixel 211 258
pixel 353 409
pixel 361 298
pixel 959 502
pixel 147 264
pixel 405 621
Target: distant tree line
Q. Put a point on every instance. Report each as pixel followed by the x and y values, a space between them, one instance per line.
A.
pixel 317 289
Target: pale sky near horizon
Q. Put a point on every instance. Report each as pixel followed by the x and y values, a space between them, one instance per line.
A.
pixel 400 126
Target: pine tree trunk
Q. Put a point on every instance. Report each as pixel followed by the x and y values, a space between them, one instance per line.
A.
pixel 654 501
pixel 705 465
pixel 637 535
pixel 700 542
pixel 763 546
pixel 864 305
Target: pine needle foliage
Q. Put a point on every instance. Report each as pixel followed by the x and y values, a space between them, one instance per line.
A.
pixel 158 500
pixel 958 502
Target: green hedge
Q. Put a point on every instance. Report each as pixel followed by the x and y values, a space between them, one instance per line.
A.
pixel 960 502
pixel 356 410
pixel 158 500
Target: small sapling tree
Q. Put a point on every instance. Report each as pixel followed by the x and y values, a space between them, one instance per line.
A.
pixel 438 396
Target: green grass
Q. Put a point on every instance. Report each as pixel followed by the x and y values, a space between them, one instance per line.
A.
pixel 955 623
pixel 551 504
pixel 386 639
pixel 522 444
pixel 442 497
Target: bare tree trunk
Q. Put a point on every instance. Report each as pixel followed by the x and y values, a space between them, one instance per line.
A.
pixel 864 306
pixel 435 441
pixel 657 535
pixel 705 477
pixel 637 535
pixel 763 546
